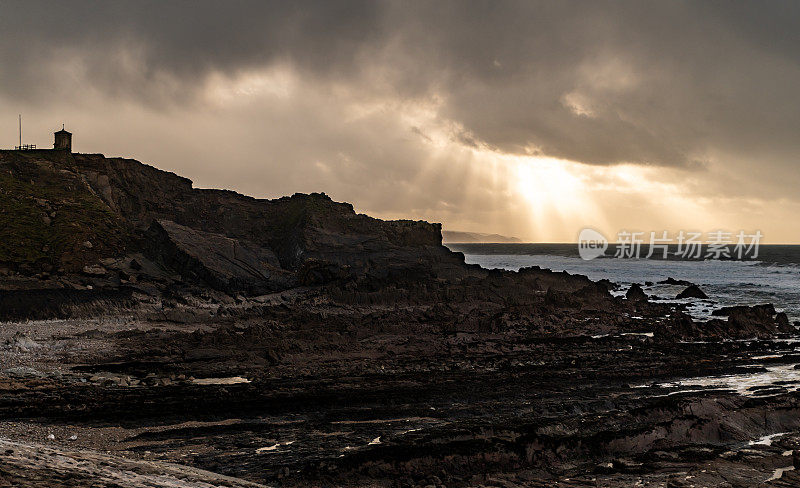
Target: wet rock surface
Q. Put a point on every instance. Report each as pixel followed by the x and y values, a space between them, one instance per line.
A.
pixel 372 408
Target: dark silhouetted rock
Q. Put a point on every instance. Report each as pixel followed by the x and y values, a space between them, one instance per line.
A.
pixel 743 322
pixel 636 294
pixel 782 320
pixel 692 291
pixel 760 311
pixel 758 318
pixel 609 285
pixel 673 281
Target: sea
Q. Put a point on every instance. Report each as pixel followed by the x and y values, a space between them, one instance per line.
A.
pixel 773 276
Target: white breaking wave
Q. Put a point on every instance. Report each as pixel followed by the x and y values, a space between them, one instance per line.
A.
pixel 725 282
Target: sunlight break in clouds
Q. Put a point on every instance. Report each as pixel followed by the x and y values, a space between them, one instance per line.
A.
pixel 534 120
pixel 270 132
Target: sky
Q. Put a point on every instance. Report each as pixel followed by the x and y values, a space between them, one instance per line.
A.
pixel 528 119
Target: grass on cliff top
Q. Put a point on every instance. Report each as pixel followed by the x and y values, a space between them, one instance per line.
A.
pixel 27 200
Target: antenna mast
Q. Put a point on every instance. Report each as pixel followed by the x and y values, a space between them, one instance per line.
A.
pixel 20 130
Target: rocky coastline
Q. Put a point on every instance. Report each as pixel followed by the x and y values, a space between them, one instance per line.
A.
pixel 154 334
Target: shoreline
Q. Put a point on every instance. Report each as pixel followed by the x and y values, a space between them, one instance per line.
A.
pixel 294 342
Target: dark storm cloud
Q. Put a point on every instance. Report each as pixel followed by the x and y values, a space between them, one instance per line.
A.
pixel 134 48
pixel 667 83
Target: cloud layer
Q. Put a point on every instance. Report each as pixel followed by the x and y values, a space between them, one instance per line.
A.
pixel 408 95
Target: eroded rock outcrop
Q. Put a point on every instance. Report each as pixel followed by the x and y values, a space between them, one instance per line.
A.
pixel 227 264
pixel 757 318
pixel 294 228
pixel 743 322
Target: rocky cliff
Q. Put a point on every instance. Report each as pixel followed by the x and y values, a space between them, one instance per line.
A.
pixel 76 213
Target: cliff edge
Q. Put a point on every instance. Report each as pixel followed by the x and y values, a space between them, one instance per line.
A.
pixel 86 217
